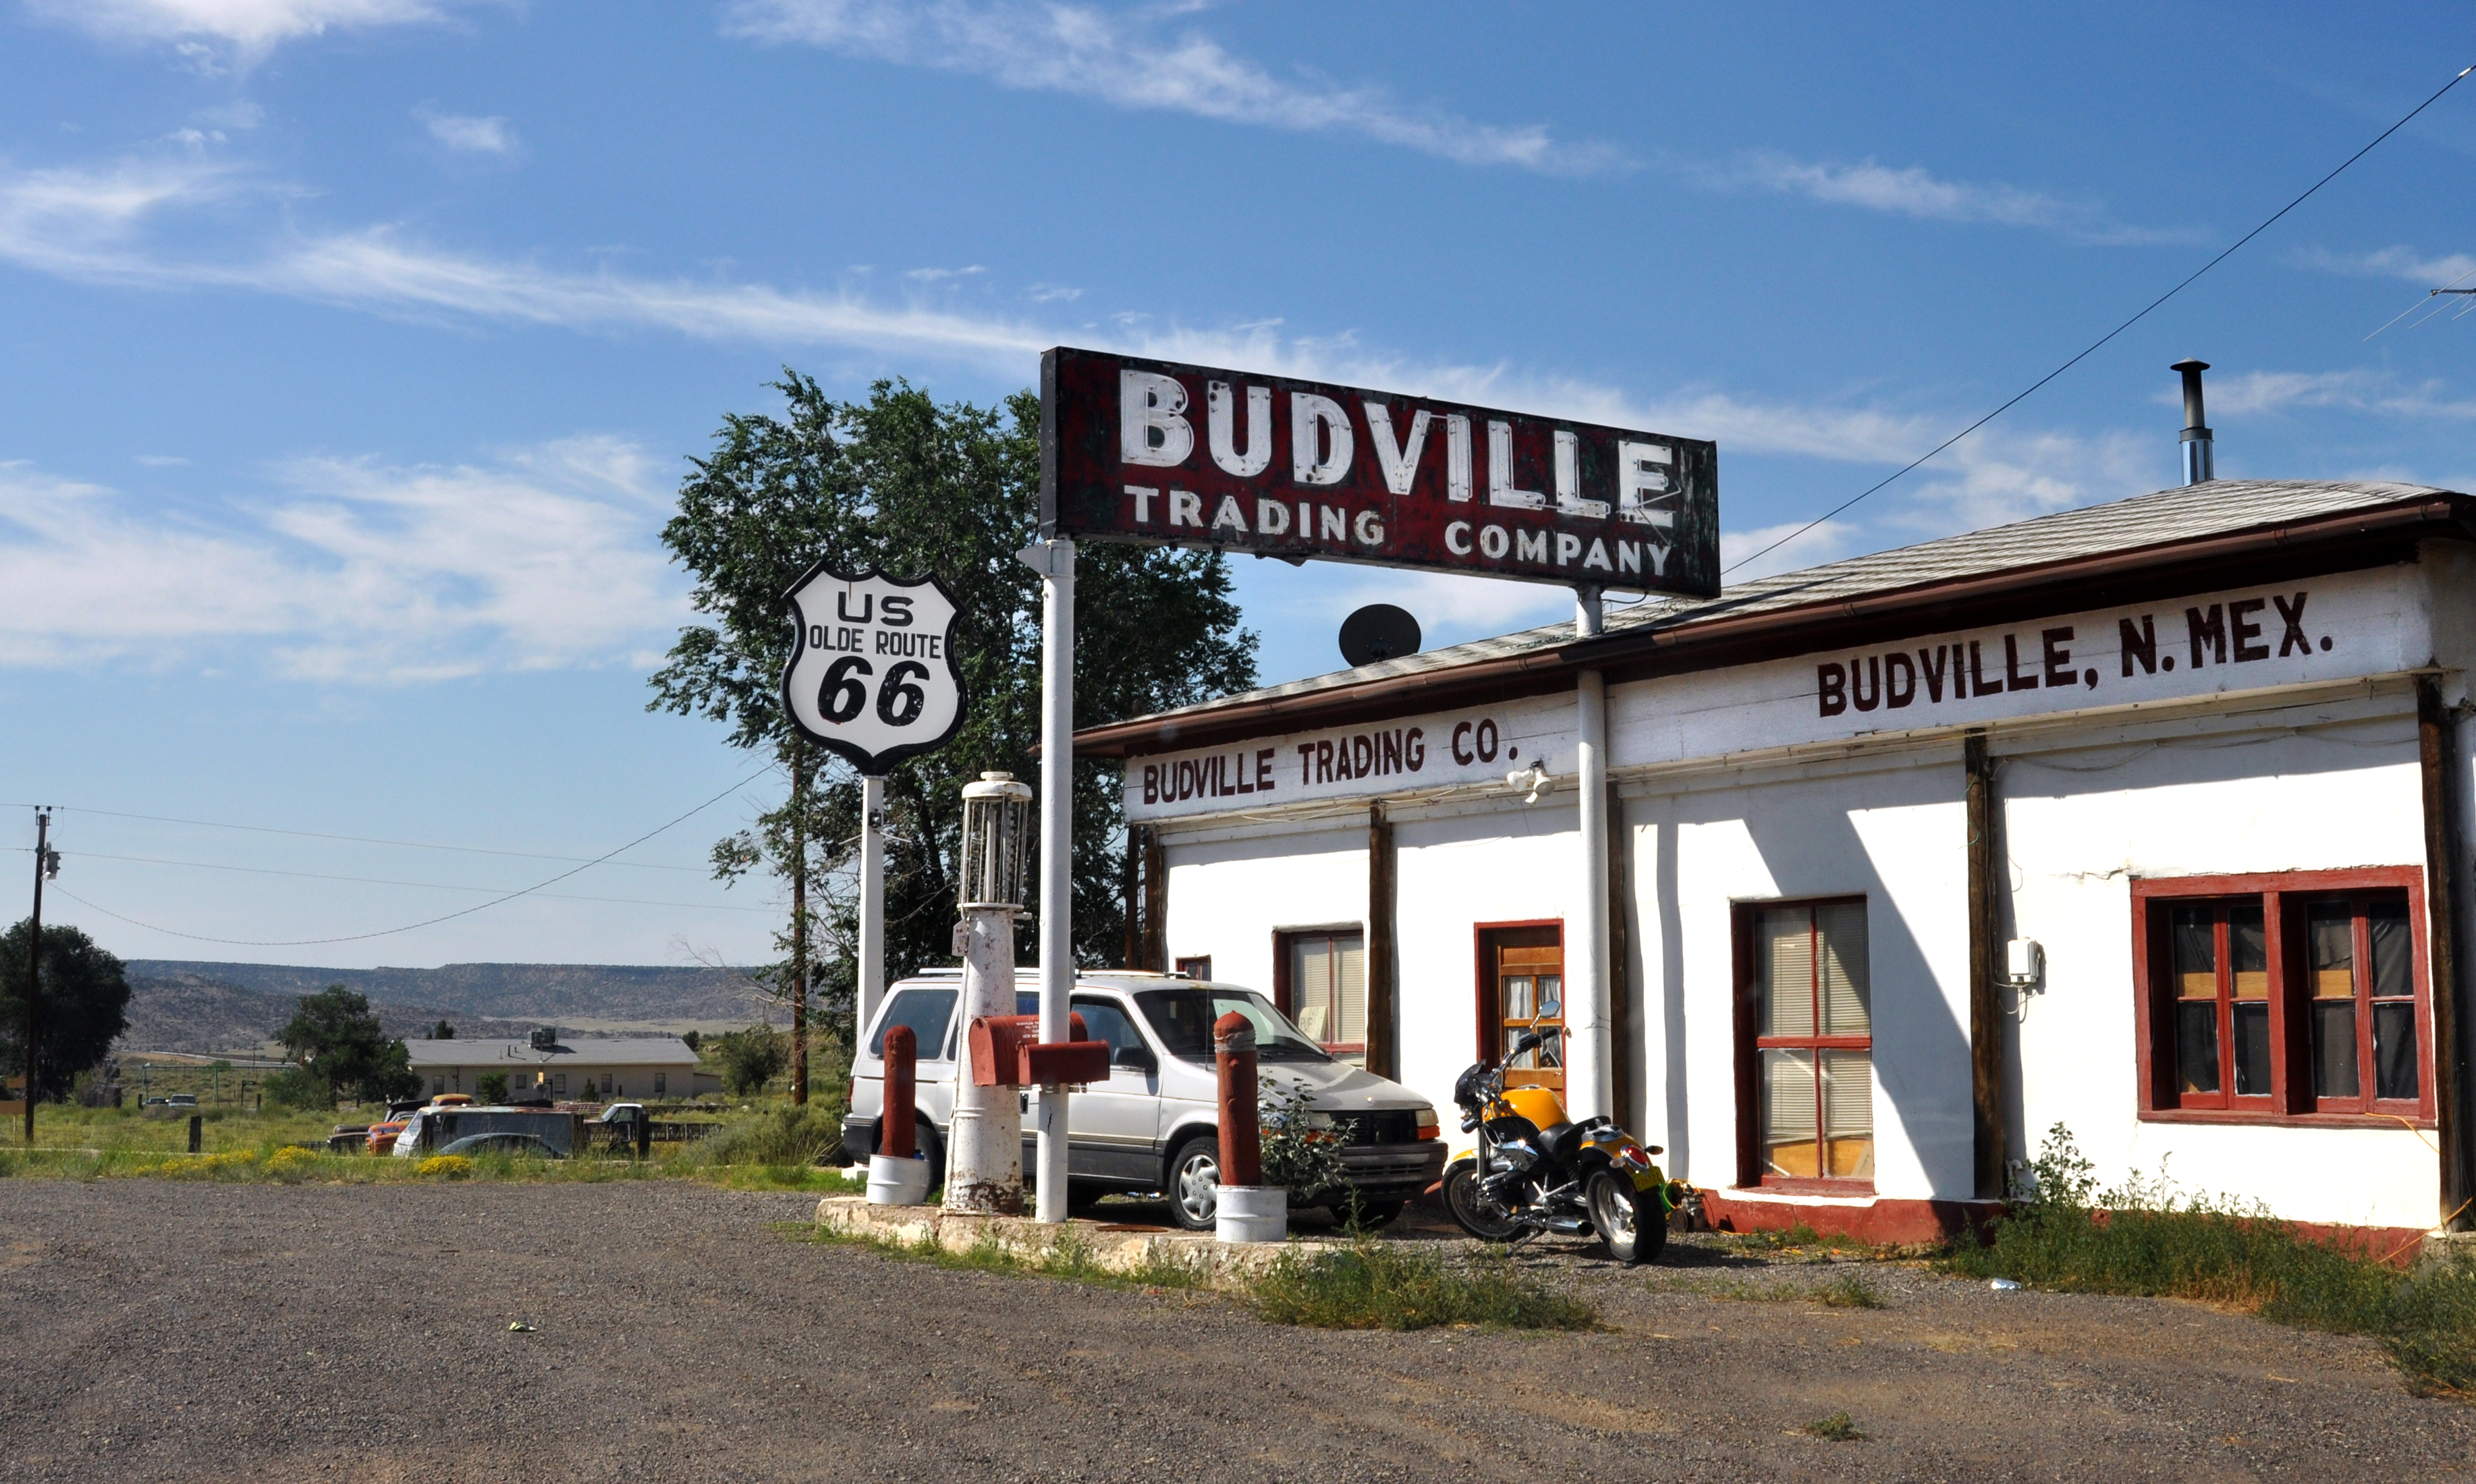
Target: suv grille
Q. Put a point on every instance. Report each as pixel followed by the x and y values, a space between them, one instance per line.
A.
pixel 1394 1126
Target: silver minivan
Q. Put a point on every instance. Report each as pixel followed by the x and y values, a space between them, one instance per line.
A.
pixel 1150 1127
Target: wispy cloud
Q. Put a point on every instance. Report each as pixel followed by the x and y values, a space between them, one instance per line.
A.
pixel 251 28
pixel 1915 191
pixel 352 571
pixel 2397 261
pixel 1128 60
pixel 466 135
pixel 935 275
pixel 2360 389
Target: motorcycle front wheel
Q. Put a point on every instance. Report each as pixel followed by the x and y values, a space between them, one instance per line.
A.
pixel 1473 1211
pixel 1630 1225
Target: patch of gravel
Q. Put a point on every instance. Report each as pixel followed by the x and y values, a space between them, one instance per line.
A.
pixel 177 1331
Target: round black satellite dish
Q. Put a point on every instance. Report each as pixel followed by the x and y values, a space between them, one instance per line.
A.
pixel 1377 632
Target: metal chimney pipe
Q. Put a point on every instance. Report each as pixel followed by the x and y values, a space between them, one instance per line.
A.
pixel 2198 466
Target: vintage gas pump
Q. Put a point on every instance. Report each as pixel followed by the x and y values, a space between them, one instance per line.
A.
pixel 984 1167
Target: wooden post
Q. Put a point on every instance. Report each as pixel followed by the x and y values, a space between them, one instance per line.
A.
pixel 1985 948
pixel 197 1132
pixel 2445 850
pixel 1155 903
pixel 1382 1056
pixel 1130 890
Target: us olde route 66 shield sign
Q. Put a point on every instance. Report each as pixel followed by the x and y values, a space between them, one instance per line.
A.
pixel 872 674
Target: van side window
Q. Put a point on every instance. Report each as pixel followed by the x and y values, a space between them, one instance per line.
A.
pixel 1104 1021
pixel 924 1010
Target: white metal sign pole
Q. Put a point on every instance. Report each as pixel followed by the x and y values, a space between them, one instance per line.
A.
pixel 1590 1038
pixel 872 898
pixel 1055 560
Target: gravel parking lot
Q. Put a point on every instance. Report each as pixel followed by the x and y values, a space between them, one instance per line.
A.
pixel 172 1331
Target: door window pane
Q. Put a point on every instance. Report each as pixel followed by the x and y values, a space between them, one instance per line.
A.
pixel 2196 1045
pixel 1105 1020
pixel 924 1010
pixel 1784 971
pixel 1788 1112
pixel 1841 932
pixel 1848 1114
pixel 2334 1049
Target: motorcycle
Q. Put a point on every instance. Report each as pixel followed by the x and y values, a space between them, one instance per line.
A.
pixel 1532 1170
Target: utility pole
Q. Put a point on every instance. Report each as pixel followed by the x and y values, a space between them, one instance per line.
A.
pixel 1055 560
pixel 799 923
pixel 45 864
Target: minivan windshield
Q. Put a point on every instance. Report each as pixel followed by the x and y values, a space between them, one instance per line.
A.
pixel 1182 1018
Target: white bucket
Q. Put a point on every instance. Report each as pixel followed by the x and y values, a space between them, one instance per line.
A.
pixel 1251 1213
pixel 896 1182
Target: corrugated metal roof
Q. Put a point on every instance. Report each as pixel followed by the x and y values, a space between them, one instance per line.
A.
pixel 584 1051
pixel 2184 513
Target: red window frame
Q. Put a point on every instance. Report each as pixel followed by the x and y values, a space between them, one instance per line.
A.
pixel 1285 990
pixel 2286 897
pixel 1751 1044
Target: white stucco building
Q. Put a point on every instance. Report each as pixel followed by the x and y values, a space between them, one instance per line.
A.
pixel 582 1068
pixel 2208 747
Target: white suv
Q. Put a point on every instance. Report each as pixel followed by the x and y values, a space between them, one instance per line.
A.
pixel 1151 1127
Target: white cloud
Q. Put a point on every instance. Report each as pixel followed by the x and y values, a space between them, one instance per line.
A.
pixel 468 135
pixel 252 28
pixel 2397 261
pixel 2361 389
pixel 1122 60
pixel 1795 548
pixel 1916 193
pixel 933 275
pixel 1052 294
pixel 354 571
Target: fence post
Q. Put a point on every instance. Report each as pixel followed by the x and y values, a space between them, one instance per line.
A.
pixel 896 1136
pixel 644 1134
pixel 197 1132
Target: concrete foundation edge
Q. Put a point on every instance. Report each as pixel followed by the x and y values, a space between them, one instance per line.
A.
pixel 1105 1244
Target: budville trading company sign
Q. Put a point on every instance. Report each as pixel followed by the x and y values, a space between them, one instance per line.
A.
pixel 1150 451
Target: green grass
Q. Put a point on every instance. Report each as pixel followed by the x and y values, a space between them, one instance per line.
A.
pixel 2144 1239
pixel 1837 1427
pixel 1372 1285
pixel 1848 1291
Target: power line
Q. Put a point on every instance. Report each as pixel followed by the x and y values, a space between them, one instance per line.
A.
pixel 374 880
pixel 2101 340
pixel 356 937
pixel 311 834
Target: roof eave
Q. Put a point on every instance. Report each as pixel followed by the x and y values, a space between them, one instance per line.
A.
pixel 1539 671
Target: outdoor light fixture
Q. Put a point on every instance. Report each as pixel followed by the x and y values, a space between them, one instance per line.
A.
pixel 1533 779
pixel 997 829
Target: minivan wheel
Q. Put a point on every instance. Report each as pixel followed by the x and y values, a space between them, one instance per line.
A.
pixel 1194 1181
pixel 928 1147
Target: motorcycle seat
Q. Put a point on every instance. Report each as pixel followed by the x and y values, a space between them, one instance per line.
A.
pixel 1561 1141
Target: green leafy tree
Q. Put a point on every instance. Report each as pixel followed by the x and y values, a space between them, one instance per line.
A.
pixel 491 1086
pixel 750 1058
pixel 83 1006
pixel 908 487
pixel 442 1031
pixel 335 1039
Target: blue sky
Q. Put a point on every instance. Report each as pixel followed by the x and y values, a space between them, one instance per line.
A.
pixel 350 350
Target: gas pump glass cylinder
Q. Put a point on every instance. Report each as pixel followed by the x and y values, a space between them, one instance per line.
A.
pixel 997 837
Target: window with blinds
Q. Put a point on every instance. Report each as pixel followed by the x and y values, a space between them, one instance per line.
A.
pixel 1811 1049
pixel 1327 985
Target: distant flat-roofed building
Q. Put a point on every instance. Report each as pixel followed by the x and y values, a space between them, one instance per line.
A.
pixel 587 1067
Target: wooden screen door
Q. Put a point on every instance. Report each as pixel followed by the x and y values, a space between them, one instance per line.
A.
pixel 1525 971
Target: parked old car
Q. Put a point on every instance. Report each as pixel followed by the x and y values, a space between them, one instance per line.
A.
pixel 1151 1127
pixel 502 1143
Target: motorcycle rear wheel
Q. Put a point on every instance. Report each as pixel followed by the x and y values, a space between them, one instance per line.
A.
pixel 1629 1225
pixel 1473 1211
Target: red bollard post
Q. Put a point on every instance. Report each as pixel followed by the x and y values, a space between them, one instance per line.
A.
pixel 901 1060
pixel 1242 1142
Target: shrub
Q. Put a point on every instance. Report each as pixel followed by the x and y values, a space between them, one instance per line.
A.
pixel 491 1087
pixel 1301 1151
pixel 1372 1285
pixel 294 1087
pixel 444 1166
pixel 292 1164
pixel 750 1058
pixel 788 1137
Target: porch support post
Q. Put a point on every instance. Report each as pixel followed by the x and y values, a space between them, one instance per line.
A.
pixel 2445 857
pixel 1589 1045
pixel 1984 955
pixel 1383 1057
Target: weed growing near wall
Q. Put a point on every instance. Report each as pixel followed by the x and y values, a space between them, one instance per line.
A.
pixel 2146 1238
pixel 1369 1285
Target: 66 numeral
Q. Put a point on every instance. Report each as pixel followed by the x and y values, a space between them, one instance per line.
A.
pixel 842 692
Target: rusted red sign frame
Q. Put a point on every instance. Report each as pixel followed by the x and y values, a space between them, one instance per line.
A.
pixel 1137 450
